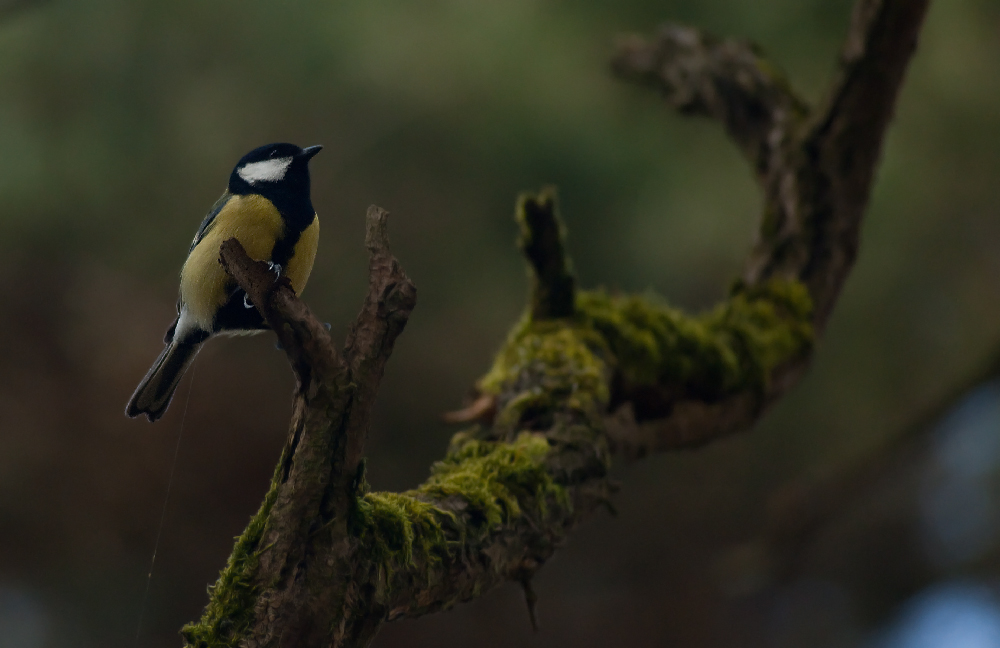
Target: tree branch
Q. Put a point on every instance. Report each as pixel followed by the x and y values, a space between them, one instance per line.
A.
pixel 276 584
pixel 390 300
pixel 553 290
pixel 815 170
pixel 728 80
pixel 583 374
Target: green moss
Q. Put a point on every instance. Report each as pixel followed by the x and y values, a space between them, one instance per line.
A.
pixel 495 478
pixel 399 525
pixel 563 363
pixel 494 482
pixel 401 532
pixel 231 600
pixel 732 347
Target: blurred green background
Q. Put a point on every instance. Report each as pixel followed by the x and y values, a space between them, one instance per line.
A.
pixel 119 125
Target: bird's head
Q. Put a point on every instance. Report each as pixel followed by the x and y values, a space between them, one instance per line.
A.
pixel 273 169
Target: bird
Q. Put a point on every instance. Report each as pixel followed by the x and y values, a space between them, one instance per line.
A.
pixel 267 207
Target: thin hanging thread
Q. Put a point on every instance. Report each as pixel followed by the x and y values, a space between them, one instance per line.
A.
pixel 166 500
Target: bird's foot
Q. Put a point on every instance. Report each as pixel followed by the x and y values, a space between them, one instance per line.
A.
pixel 275 268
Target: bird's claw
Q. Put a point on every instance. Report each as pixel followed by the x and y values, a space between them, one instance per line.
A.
pixel 276 269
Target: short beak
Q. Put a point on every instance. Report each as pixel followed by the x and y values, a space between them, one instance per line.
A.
pixel 307 153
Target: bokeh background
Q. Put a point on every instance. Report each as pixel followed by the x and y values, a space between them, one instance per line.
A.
pixel 120 121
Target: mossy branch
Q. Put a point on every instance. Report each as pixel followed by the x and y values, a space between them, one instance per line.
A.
pixel 284 557
pixel 815 166
pixel 582 375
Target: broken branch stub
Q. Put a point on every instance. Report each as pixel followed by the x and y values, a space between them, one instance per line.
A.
pixel 542 238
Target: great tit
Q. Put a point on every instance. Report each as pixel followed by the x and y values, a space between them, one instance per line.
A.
pixel 267 208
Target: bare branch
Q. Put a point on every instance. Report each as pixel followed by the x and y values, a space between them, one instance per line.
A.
pixel 390 300
pixel 727 80
pixel 813 208
pixel 483 408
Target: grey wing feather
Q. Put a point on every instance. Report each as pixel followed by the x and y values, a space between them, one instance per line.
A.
pixel 206 225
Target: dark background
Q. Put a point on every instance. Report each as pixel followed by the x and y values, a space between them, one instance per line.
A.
pixel 120 121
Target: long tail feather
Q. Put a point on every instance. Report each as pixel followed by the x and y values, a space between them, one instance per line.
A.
pixel 153 394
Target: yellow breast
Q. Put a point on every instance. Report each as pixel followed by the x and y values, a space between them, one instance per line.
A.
pixel 257 224
pixel 301 264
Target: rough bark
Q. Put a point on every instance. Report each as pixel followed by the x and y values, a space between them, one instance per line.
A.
pixel 325 562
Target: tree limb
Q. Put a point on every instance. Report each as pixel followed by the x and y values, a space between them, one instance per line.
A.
pixel 728 80
pixel 815 169
pixel 583 374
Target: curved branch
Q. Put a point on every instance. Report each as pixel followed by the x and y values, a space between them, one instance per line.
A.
pixel 583 374
pixel 841 148
pixel 815 169
pixel 728 80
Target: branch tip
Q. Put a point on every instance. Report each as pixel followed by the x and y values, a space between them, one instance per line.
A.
pixel 542 240
pixel 304 338
pixel 377 229
pixel 391 298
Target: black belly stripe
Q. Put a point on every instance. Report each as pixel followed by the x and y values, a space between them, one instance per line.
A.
pixel 235 316
pixel 285 246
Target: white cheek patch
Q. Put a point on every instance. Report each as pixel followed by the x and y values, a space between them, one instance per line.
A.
pixel 265 171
